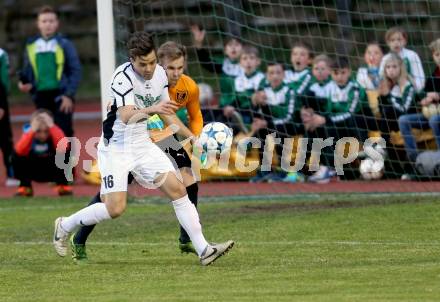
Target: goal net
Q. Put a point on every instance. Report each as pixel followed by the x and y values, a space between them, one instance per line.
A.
pixel 339 29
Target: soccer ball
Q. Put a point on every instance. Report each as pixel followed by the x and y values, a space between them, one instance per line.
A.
pixel 215 137
pixel 371 169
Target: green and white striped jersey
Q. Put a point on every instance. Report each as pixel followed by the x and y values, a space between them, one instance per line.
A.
pixel 231 68
pixel 241 90
pixel 298 80
pixel 281 102
pixel 345 101
pixel 401 100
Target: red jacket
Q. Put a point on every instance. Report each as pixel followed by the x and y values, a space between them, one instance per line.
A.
pixel 24 145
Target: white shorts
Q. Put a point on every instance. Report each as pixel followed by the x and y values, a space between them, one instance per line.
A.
pixel 145 163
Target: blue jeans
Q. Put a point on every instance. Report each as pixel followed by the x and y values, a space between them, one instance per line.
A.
pixel 418 121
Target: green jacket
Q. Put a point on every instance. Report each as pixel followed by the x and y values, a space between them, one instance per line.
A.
pixel 51 64
pixel 298 80
pixel 401 101
pixel 282 104
pixel 4 70
pixel 344 102
pixel 238 91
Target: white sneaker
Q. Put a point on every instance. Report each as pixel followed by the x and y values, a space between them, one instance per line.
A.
pixel 215 251
pixel 60 238
pixel 322 176
pixel 12 182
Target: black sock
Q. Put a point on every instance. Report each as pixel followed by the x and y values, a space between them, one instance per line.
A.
pixel 192 191
pixel 84 232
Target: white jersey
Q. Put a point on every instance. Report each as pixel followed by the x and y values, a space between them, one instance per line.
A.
pixel 364 79
pixel 130 88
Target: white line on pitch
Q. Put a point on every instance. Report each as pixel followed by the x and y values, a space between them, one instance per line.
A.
pixel 379 243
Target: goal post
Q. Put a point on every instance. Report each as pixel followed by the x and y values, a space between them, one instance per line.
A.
pixel 107 53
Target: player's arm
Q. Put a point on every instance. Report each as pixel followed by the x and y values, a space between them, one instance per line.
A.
pixel 130 114
pixel 172 119
pixel 194 113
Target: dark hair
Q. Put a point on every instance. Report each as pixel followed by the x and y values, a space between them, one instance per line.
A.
pixel 274 63
pixel 171 50
pixel 230 39
pixel 250 50
pixel 37 112
pixel 302 44
pixel 140 44
pixel 46 9
pixel 340 63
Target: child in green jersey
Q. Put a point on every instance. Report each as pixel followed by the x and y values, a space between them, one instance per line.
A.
pixel 300 75
pixel 238 98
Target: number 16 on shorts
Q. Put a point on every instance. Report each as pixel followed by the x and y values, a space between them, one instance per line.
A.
pixel 108 181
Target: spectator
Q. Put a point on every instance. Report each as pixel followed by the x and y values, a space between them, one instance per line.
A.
pixel 300 75
pixel 345 110
pixel 418 120
pixel 227 67
pixel 368 75
pixel 316 94
pixel 396 39
pixel 35 152
pixel 397 94
pixel 238 101
pixel 52 70
pixel 278 106
pixel 5 122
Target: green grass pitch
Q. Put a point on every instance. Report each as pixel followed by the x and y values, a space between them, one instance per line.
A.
pixel 306 248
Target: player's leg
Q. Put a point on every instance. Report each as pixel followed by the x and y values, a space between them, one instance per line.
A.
pixel 192 190
pixel 159 170
pixel 114 169
pixel 79 238
pixel 182 161
pixel 113 206
pixel 188 218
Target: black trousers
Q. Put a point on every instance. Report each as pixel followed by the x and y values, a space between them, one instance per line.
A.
pixel 6 143
pixel 51 100
pixel 390 119
pixel 40 169
pixel 357 126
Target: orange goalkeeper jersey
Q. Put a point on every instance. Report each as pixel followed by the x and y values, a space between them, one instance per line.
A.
pixel 186 95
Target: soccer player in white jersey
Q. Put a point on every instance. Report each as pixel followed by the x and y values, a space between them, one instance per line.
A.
pixel 139 89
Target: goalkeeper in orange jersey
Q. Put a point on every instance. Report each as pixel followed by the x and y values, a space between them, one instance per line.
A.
pixel 184 91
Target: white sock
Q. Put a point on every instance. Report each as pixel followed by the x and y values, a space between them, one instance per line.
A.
pixel 90 215
pixel 188 218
